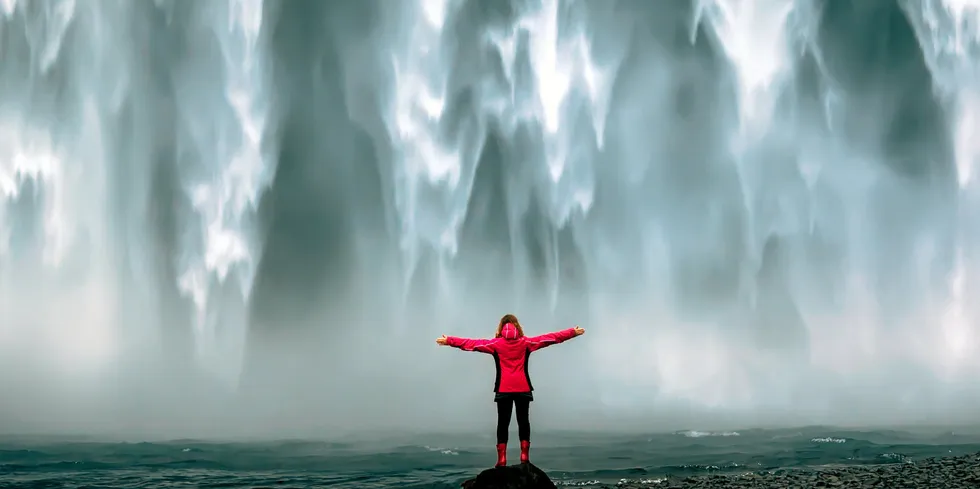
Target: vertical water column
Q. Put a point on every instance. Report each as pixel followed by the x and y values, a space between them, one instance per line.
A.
pixel 7 7
pixel 433 165
pixel 64 74
pixel 226 125
pixel 100 64
pixel 561 65
pixel 949 33
pixel 9 177
pixel 762 40
pixel 28 160
pixel 30 156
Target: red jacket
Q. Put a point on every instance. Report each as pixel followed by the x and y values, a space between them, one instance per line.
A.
pixel 511 356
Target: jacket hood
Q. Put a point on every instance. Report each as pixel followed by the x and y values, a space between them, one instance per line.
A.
pixel 509 332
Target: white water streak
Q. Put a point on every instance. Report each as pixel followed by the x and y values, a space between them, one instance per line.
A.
pixel 62 153
pixel 433 173
pixel 949 33
pixel 226 197
pixel 561 60
pixel 763 41
pixel 760 39
pixel 29 154
pixel 7 7
pixel 433 169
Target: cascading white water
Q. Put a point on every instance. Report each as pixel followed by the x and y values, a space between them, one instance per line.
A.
pixel 436 162
pixel 226 123
pixel 764 42
pixel 801 180
pixel 764 45
pixel 728 244
pixel 62 152
pixel 30 156
pixel 561 67
pixel 433 172
pixel 58 304
pixel 949 31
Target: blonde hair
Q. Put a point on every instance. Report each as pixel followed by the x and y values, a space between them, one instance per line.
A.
pixel 509 318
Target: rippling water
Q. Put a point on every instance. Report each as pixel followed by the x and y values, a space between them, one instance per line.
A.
pixel 445 461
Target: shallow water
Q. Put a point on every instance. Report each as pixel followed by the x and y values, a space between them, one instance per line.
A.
pixel 572 459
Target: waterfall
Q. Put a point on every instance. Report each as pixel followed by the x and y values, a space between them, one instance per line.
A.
pixel 228 170
pixel 760 209
pixel 949 32
pixel 77 188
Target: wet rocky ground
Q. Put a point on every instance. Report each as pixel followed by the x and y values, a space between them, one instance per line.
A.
pixel 938 473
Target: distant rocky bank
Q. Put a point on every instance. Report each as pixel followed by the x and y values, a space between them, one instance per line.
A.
pixel 939 473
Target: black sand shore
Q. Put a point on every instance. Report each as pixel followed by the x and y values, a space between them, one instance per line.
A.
pixel 931 473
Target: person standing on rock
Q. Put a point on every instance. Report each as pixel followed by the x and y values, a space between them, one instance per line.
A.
pixel 510 350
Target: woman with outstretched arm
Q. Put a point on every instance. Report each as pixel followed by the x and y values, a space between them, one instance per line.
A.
pixel 510 350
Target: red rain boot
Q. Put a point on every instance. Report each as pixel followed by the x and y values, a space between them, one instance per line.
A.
pixel 501 455
pixel 525 448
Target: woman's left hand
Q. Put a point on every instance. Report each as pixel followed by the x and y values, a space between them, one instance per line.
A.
pixel 442 340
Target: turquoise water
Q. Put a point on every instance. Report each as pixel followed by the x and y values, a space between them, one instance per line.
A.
pixel 436 461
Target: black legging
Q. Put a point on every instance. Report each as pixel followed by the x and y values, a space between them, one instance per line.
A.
pixel 504 408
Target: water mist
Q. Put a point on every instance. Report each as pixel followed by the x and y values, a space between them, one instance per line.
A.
pixel 246 215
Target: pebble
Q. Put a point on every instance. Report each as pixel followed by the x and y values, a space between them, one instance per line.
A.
pixel 939 473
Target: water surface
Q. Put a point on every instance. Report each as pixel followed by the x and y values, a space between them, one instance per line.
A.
pixel 435 461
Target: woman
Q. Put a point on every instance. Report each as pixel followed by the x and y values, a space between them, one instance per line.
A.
pixel 510 350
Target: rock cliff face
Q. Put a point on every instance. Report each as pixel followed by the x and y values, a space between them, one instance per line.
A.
pixel 523 476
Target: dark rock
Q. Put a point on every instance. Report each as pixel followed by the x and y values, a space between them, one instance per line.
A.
pixel 932 473
pixel 523 476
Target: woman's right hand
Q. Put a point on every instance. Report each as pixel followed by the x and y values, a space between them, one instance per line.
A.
pixel 579 331
pixel 442 341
